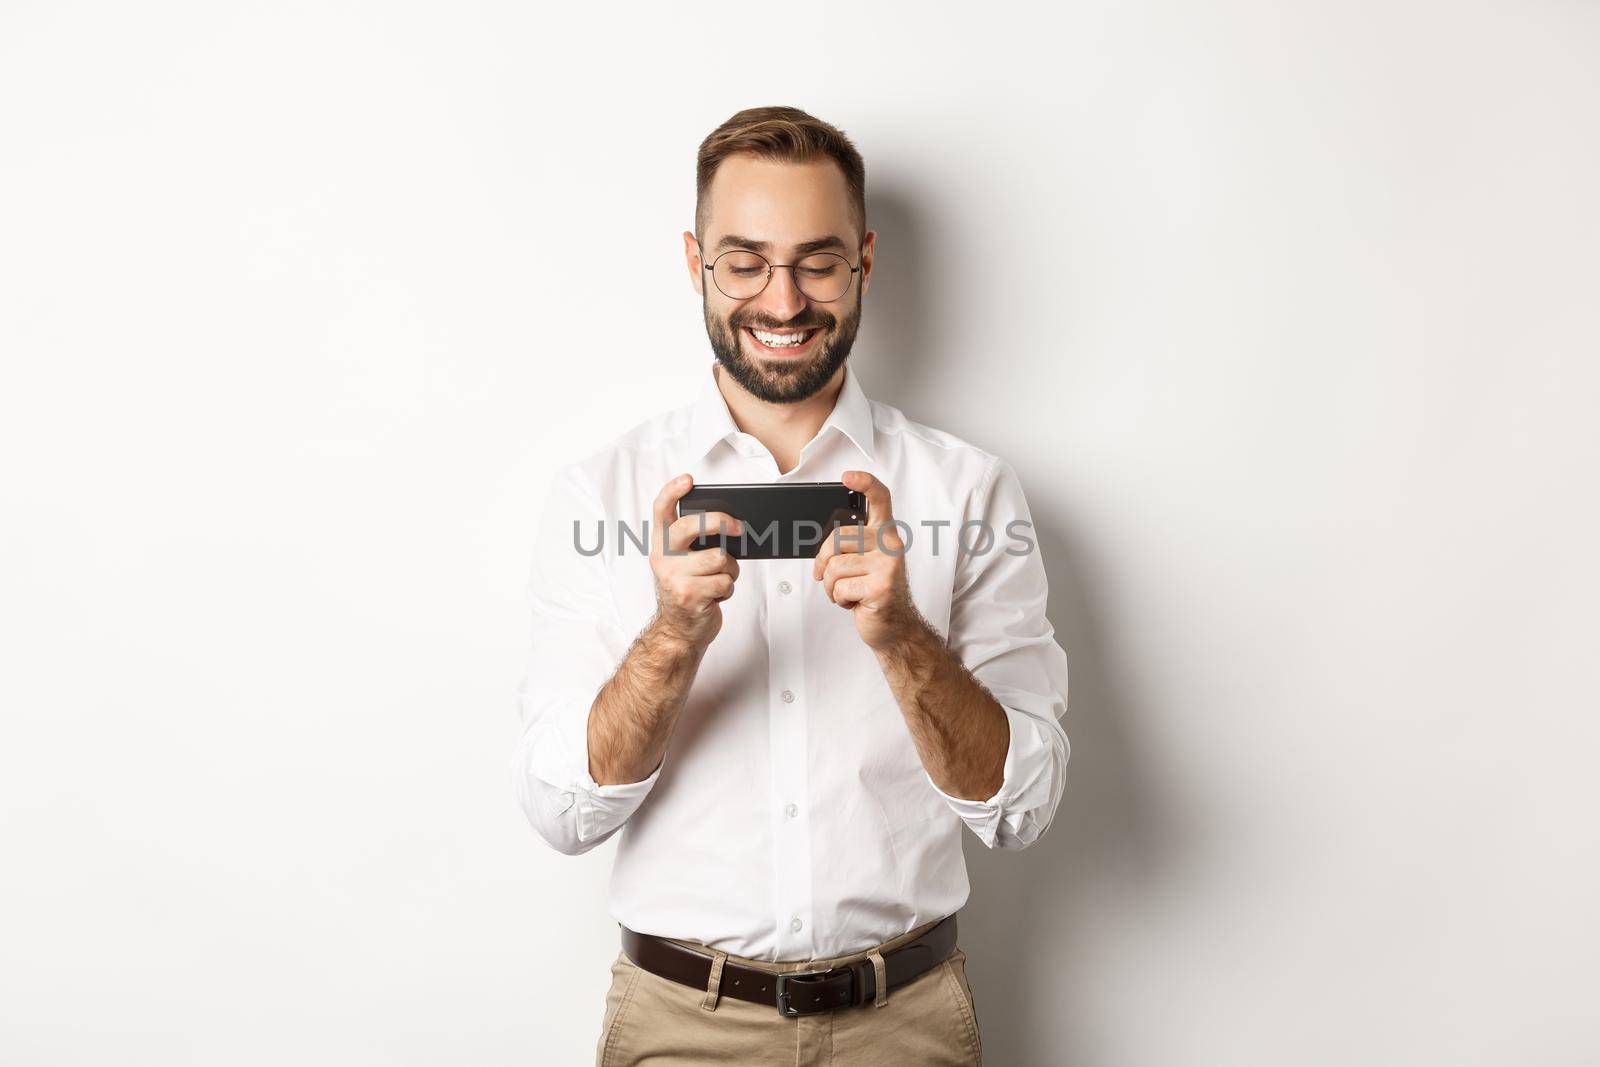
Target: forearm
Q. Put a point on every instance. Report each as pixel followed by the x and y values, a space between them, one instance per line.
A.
pixel 960 731
pixel 634 714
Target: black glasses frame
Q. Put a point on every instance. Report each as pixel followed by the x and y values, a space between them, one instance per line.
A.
pixel 710 268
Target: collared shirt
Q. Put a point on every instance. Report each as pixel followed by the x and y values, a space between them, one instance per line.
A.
pixel 791 817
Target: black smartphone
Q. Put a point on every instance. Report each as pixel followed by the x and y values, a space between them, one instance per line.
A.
pixel 782 520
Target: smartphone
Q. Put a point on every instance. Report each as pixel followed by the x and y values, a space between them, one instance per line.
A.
pixel 782 520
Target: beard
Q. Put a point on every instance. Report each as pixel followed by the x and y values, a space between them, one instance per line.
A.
pixel 783 381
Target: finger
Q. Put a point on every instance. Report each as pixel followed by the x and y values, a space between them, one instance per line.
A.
pixel 844 567
pixel 707 562
pixel 700 524
pixel 879 504
pixel 665 508
pixel 716 587
pixel 840 540
pixel 848 592
pixel 696 594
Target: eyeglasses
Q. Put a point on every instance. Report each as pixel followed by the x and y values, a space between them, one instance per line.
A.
pixel 740 274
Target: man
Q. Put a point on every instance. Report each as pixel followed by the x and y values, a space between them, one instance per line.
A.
pixel 790 778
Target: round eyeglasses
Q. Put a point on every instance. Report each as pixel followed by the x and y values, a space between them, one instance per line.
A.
pixel 740 274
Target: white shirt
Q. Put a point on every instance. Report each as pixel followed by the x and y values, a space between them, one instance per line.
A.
pixel 791 817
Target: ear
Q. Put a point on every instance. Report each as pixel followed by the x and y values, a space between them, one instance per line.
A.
pixel 691 255
pixel 868 244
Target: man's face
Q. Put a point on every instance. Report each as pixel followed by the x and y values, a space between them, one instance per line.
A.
pixel 782 211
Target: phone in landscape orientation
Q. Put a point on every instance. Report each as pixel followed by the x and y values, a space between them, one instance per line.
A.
pixel 782 520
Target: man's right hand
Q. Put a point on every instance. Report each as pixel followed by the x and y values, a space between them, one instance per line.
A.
pixel 690 585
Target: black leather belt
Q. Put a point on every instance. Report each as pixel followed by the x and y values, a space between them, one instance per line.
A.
pixel 794 993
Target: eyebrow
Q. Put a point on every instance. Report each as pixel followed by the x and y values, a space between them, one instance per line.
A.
pixel 830 243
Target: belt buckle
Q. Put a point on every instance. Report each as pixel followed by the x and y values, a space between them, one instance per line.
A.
pixel 787 1010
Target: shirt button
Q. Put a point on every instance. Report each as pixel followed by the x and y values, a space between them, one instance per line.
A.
pixel 792 810
pixel 788 696
pixel 795 924
pixel 785 587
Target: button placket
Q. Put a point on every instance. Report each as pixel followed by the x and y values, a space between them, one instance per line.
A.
pixel 790 751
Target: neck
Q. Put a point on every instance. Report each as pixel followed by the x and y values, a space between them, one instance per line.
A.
pixel 783 428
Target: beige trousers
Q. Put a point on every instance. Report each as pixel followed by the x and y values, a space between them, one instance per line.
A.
pixel 929 1022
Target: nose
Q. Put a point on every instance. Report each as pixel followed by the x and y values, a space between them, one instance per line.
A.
pixel 782 298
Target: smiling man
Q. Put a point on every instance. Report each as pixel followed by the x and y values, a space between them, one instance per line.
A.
pixel 790 768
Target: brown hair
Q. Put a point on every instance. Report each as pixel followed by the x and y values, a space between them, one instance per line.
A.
pixel 786 134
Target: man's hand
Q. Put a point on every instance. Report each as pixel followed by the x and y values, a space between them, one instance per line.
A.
pixel 961 732
pixel 690 585
pixel 863 568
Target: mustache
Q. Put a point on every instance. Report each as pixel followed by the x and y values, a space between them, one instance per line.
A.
pixel 812 320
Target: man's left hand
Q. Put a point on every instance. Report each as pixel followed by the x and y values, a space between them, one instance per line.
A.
pixel 863 568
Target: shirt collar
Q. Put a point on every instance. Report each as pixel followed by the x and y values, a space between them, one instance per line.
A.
pixel 711 422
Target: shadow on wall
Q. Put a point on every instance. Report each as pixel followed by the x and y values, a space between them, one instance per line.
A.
pixel 1024 922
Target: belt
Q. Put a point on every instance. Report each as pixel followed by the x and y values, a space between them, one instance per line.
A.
pixel 794 993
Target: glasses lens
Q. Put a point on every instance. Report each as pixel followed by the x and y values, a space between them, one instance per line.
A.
pixel 823 276
pixel 740 275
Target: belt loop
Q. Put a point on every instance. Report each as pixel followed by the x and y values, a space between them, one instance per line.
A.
pixel 714 985
pixel 881 973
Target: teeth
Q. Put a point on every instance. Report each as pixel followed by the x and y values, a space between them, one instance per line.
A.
pixel 781 340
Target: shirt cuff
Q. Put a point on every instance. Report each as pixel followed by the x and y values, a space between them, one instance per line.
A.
pixel 599 809
pixel 559 763
pixel 1027 763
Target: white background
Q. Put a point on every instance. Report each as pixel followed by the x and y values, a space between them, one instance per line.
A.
pixel 1285 314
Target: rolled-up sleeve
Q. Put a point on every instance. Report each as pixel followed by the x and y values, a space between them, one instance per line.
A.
pixel 576 644
pixel 999 630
